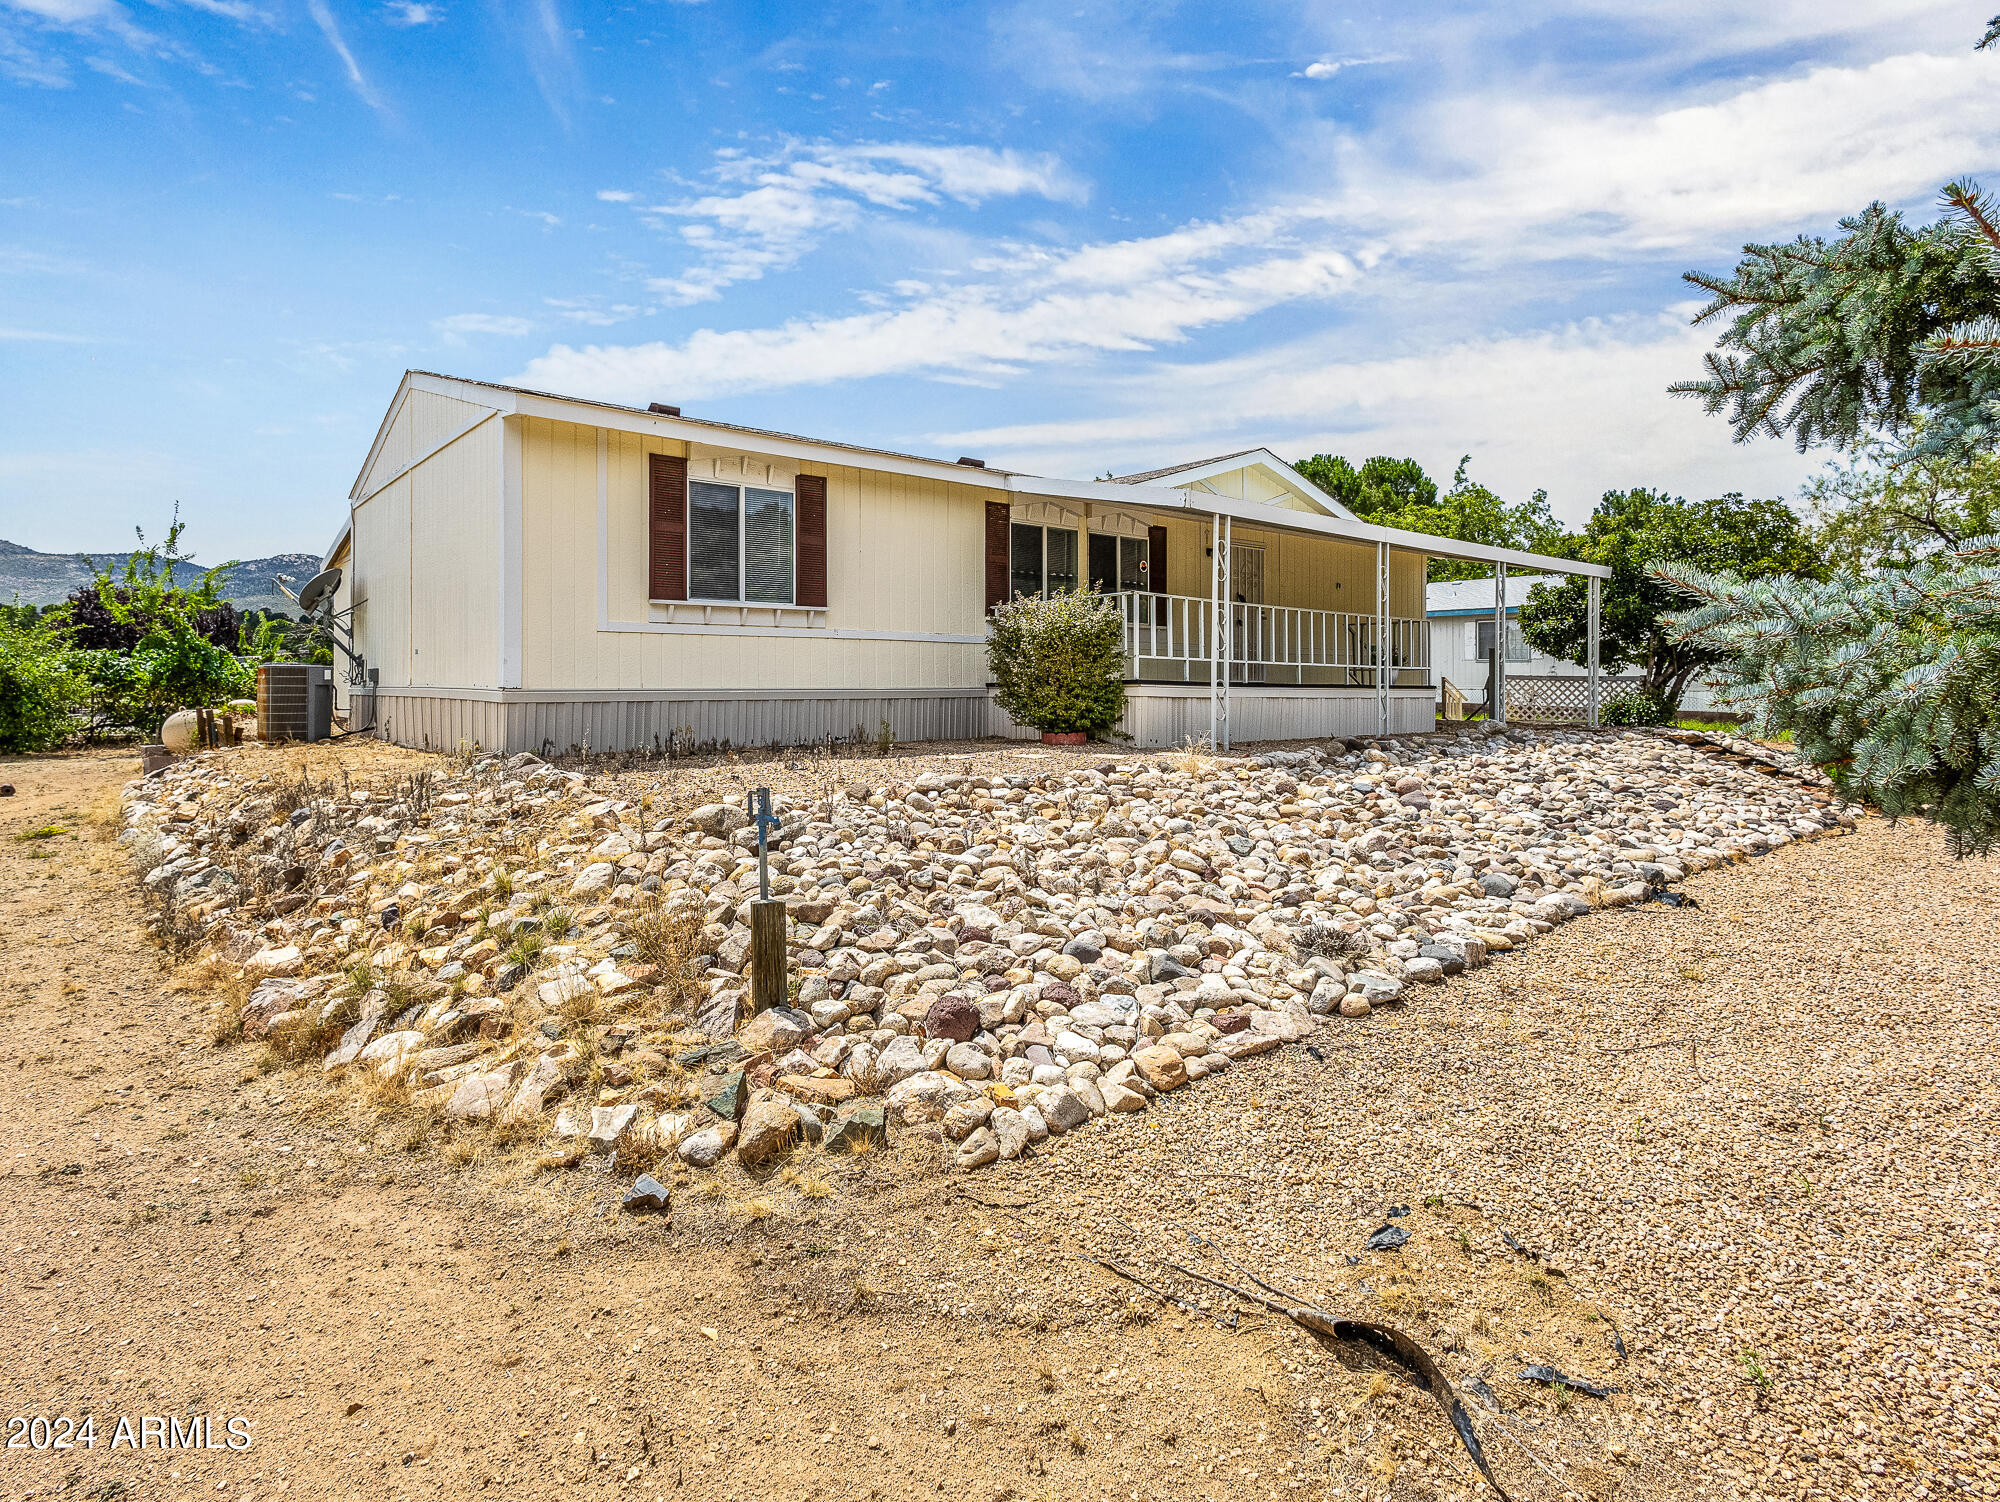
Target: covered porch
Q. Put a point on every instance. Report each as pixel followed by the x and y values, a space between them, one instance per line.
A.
pixel 1252 606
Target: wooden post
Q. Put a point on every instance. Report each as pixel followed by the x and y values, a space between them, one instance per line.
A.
pixel 767 954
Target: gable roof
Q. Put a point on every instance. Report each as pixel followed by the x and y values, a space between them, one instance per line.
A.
pixel 1196 474
pixel 1175 469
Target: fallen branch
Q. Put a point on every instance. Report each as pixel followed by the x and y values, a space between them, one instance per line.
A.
pixel 1384 1339
pixel 1131 1277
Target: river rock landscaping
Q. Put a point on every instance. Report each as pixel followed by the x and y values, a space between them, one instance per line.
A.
pixel 997 956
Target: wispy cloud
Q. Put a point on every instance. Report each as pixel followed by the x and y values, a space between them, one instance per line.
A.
pixel 594 312
pixel 1030 308
pixel 1508 176
pixel 1101 51
pixel 1460 188
pixel 771 210
pixel 234 10
pixel 545 44
pixel 110 69
pixel 23 64
pixel 615 195
pixel 458 326
pixel 412 13
pixel 1328 67
pixel 356 79
pixel 92 22
pixel 42 336
pixel 19 260
pixel 70 13
pixel 1492 396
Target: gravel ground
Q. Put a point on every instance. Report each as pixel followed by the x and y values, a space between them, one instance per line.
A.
pixel 1756 1138
pixel 1749 1140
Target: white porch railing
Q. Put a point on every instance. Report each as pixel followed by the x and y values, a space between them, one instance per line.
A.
pixel 1172 636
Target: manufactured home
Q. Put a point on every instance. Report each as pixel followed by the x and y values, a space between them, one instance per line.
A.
pixel 526 571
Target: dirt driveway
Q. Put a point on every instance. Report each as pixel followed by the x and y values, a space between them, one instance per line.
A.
pixel 1765 1125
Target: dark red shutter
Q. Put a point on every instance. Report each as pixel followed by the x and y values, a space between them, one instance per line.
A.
pixel 999 535
pixel 666 527
pixel 811 535
pixel 1156 559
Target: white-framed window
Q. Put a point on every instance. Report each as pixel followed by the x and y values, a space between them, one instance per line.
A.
pixel 1482 640
pixel 740 541
pixel 1043 560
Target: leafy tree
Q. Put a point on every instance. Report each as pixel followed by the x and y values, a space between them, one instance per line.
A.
pixel 1884 331
pixel 1381 486
pixel 39 687
pixel 1058 664
pixel 1890 683
pixel 119 610
pixel 1888 509
pixel 1630 532
pixel 1397 493
pixel 148 645
pixel 275 637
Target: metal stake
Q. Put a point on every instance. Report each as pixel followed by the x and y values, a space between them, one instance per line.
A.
pixel 767 916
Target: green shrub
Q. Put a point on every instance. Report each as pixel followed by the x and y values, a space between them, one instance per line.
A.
pixel 1058 664
pixel 1636 706
pixel 38 690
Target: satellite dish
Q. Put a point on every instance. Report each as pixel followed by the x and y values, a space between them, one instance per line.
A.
pixel 319 589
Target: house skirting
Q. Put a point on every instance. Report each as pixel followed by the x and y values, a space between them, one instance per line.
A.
pixel 1171 714
pixel 550 721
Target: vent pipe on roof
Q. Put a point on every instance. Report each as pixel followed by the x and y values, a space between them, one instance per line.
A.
pixel 663 409
pixel 972 463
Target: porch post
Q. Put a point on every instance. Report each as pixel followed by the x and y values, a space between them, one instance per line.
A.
pixel 1499 643
pixel 1591 693
pixel 1227 619
pixel 1382 649
pixel 1218 633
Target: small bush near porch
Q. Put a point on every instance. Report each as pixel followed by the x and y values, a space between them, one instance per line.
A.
pixel 1058 664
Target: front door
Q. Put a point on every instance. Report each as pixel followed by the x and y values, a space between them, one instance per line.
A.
pixel 1103 563
pixel 1250 629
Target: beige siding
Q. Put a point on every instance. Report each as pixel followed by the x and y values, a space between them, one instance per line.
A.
pixel 904 555
pixel 426 569
pixel 424 421
pixel 382 582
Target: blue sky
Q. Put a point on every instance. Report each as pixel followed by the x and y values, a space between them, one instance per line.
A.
pixel 1067 237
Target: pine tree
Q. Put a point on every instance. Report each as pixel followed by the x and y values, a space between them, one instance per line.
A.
pixel 1890 683
pixel 1885 330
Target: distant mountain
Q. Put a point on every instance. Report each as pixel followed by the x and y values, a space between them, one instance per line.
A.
pixel 45 578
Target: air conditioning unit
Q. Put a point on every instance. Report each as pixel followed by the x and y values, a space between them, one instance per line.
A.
pixel 294 701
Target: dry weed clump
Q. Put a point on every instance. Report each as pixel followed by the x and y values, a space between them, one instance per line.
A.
pixel 311 1037
pixel 215 977
pixel 669 938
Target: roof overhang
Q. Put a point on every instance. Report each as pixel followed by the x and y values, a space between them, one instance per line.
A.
pixel 339 541
pixel 513 401
pixel 1110 493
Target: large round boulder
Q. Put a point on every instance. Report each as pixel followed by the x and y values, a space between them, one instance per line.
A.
pixel 951 1017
